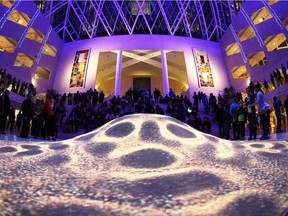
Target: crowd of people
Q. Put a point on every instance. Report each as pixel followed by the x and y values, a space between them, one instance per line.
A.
pixel 277 78
pixel 90 113
pixel 18 87
pixel 41 118
pixel 232 115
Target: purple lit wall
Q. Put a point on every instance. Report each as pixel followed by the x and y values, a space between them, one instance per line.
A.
pixel 265 29
pixel 17 31
pixel 141 42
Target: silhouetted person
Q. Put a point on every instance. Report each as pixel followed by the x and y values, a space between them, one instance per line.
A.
pixel 38 121
pixel 27 108
pixel 48 114
pixel 156 94
pixel 272 80
pixel 4 110
pixel 263 111
pixel 277 106
pixel 19 121
pixel 286 107
pixel 265 83
pixel 251 110
pixel 11 121
pixel 196 98
pixel 284 71
pixel 171 93
pixel 206 126
pixel 279 76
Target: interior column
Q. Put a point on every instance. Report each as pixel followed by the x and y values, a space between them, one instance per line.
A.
pixel 164 73
pixel 118 73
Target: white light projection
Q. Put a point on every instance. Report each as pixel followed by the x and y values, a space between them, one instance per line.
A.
pixel 144 164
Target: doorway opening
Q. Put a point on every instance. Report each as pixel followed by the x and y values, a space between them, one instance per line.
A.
pixel 142 84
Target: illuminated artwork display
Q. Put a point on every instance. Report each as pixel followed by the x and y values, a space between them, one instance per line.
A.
pixel 203 68
pixel 79 69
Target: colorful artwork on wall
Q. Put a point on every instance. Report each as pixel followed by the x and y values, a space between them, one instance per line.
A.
pixel 203 68
pixel 79 69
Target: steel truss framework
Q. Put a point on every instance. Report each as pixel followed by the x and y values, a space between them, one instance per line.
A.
pixel 75 20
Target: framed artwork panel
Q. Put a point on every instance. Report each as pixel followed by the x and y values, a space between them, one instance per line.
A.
pixel 203 67
pixel 79 69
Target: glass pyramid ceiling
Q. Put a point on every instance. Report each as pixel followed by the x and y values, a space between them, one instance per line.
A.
pixel 75 20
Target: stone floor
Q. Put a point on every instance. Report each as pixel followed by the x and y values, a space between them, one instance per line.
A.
pixel 144 165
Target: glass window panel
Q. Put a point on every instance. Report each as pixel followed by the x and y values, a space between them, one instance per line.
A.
pixel 260 15
pixel 6 3
pixel 49 50
pixel 276 42
pixel 285 22
pixel 42 73
pixel 271 2
pixel 246 33
pixel 232 49
pixel 257 59
pixel 19 18
pixel 34 34
pixel 239 72
pixel 7 44
pixel 24 60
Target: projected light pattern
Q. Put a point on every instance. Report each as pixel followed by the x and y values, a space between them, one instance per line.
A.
pixel 144 165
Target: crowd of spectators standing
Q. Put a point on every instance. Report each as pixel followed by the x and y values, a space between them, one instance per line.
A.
pixel 46 116
pixel 43 118
pixel 232 114
pixel 18 87
pixel 277 78
pixel 91 111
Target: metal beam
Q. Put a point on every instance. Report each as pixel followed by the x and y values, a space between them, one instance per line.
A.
pixel 100 16
pixel 81 16
pixel 164 16
pixel 141 11
pixel 122 15
pixel 54 8
pixel 201 18
pixel 182 11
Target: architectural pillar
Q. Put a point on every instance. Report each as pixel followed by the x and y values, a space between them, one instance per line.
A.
pixel 117 90
pixel 164 73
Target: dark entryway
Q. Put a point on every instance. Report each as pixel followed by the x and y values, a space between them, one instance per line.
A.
pixel 142 83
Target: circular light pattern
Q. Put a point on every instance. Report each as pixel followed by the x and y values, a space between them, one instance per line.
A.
pixel 120 130
pixel 56 160
pixel 7 149
pixel 180 131
pixel 100 149
pixel 144 165
pixel 58 147
pixel 147 158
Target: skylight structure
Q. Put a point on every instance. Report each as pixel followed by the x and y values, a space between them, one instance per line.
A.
pixel 75 20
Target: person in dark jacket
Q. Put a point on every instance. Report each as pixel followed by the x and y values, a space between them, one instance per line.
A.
pixel 241 119
pixel 277 106
pixel 4 110
pixel 27 108
pixel 11 122
pixel 206 126
pixel 251 113
pixel 220 119
pixel 198 122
